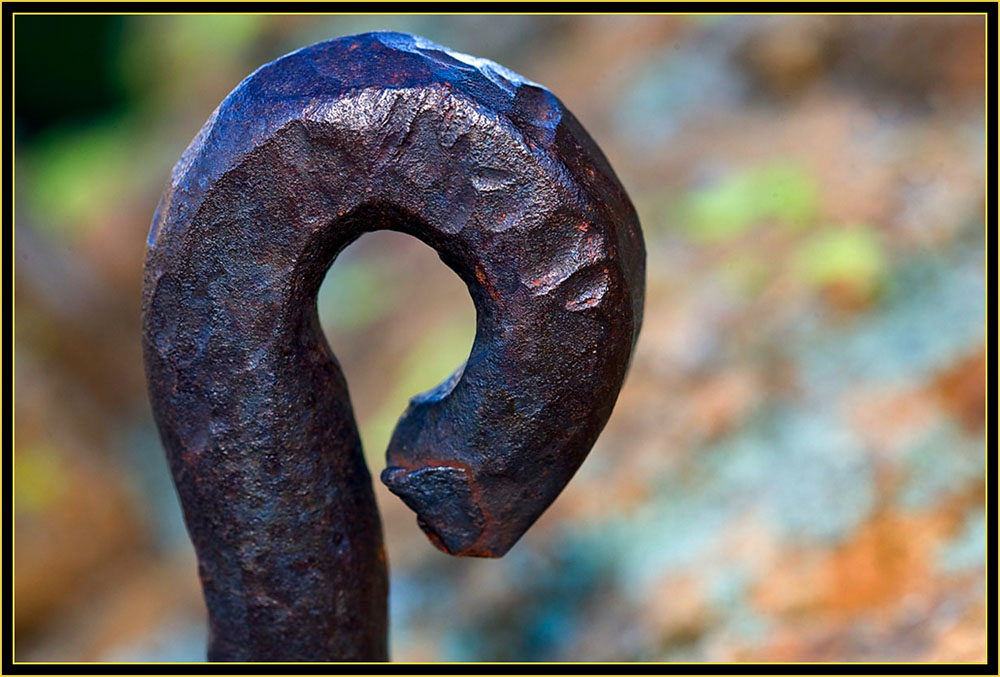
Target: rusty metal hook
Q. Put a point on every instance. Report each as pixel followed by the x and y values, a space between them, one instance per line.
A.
pixel 368 132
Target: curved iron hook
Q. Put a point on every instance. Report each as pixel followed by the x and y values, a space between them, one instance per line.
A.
pixel 368 132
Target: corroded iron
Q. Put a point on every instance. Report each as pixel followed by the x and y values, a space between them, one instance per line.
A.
pixel 368 132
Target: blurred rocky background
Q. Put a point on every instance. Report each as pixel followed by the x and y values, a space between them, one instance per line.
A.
pixel 795 468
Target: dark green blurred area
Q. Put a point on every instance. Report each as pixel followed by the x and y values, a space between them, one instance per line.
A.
pixel 79 82
pixel 795 468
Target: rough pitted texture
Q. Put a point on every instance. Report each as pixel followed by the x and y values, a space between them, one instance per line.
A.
pixel 368 132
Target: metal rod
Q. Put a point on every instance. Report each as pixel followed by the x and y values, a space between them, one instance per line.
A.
pixel 368 132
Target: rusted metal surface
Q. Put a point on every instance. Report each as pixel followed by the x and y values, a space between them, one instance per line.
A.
pixel 368 132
